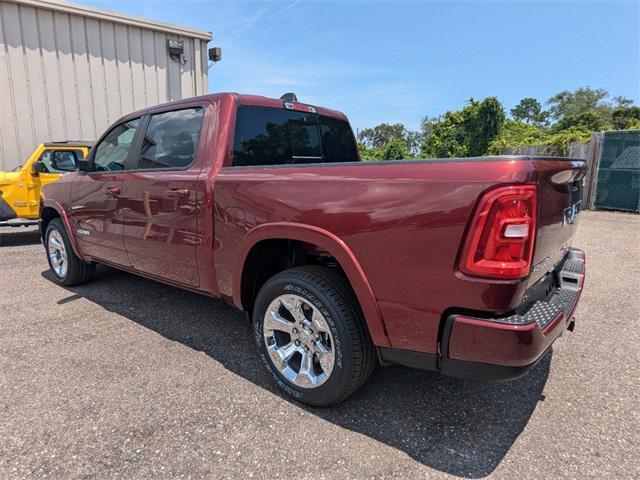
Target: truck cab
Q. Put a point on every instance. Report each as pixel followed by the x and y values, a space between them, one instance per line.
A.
pixel 20 188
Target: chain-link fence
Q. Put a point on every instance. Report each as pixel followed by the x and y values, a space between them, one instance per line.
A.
pixel 617 183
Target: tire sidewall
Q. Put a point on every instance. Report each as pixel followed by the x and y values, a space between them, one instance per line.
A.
pixel 340 377
pixel 55 225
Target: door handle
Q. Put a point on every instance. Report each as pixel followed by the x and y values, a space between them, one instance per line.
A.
pixel 113 191
pixel 177 192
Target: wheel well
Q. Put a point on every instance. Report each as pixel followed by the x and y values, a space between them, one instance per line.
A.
pixel 46 215
pixel 269 257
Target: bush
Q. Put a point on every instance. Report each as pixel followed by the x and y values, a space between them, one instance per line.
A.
pixel 516 133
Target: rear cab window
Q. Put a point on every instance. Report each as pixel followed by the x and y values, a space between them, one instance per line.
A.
pixel 272 136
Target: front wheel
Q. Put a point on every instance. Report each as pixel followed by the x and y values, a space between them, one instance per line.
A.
pixel 67 268
pixel 311 335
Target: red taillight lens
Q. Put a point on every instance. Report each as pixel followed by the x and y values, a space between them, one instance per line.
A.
pixel 499 243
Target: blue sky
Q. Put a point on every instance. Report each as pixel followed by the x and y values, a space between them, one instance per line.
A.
pixel 395 61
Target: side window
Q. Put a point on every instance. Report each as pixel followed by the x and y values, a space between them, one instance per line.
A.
pixel 45 158
pixel 111 152
pixel 60 161
pixel 272 136
pixel 65 161
pixel 171 139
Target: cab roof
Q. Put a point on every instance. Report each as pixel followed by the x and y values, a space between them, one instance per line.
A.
pixel 70 143
pixel 241 99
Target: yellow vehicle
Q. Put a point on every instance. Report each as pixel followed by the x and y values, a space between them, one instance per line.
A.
pixel 20 188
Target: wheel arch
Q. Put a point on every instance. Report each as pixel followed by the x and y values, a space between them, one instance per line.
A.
pixel 324 241
pixel 50 209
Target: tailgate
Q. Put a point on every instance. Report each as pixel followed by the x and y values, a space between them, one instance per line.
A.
pixel 560 184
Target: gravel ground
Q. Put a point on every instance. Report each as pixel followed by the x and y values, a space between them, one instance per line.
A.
pixel 127 378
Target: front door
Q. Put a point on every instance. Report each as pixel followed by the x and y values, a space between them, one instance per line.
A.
pixel 96 197
pixel 161 198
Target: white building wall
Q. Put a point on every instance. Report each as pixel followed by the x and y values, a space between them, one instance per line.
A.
pixel 68 71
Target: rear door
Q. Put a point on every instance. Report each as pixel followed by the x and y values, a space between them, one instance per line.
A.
pixel 161 200
pixel 96 197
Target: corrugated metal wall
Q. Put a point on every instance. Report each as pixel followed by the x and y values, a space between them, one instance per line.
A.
pixel 67 77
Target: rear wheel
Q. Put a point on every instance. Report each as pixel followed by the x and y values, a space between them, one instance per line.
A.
pixel 66 267
pixel 311 335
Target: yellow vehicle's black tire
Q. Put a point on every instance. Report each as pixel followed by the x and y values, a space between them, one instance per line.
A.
pixel 67 268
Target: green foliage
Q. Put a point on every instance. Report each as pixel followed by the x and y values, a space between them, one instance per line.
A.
pixel 590 120
pixel 574 103
pixel 634 124
pixel 564 137
pixel 396 149
pixel 626 117
pixel 465 132
pixel 516 133
pixel 480 127
pixel 369 154
pixel 529 111
pixel 580 106
pixel 381 135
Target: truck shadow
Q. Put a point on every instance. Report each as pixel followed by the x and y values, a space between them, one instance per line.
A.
pixel 459 427
pixel 18 236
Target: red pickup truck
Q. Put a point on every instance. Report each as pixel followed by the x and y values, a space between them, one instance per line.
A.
pixel 463 266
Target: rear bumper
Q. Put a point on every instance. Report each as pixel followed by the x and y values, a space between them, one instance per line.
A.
pixel 505 348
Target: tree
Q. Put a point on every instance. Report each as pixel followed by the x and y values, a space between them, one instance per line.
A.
pixel 445 138
pixel 516 134
pixel 580 101
pixel 590 120
pixel 381 135
pixel 483 123
pixel 396 149
pixel 529 111
pixel 583 103
pixel 622 102
pixel 626 117
pixel 369 154
pixel 465 132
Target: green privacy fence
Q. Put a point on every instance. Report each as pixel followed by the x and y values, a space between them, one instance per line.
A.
pixel 617 185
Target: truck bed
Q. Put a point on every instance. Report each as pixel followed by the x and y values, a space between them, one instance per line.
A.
pixel 404 222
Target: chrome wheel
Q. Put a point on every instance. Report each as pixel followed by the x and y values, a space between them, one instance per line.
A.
pixel 299 341
pixel 57 254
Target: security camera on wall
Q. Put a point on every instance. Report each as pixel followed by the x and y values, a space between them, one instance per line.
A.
pixel 215 54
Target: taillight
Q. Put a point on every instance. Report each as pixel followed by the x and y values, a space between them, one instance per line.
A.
pixel 499 243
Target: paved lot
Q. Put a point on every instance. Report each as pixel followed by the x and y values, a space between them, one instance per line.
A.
pixel 127 378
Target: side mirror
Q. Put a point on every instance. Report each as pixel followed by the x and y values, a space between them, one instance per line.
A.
pixel 83 165
pixel 38 167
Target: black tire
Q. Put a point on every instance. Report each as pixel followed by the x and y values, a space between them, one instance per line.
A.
pixel 331 294
pixel 77 272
